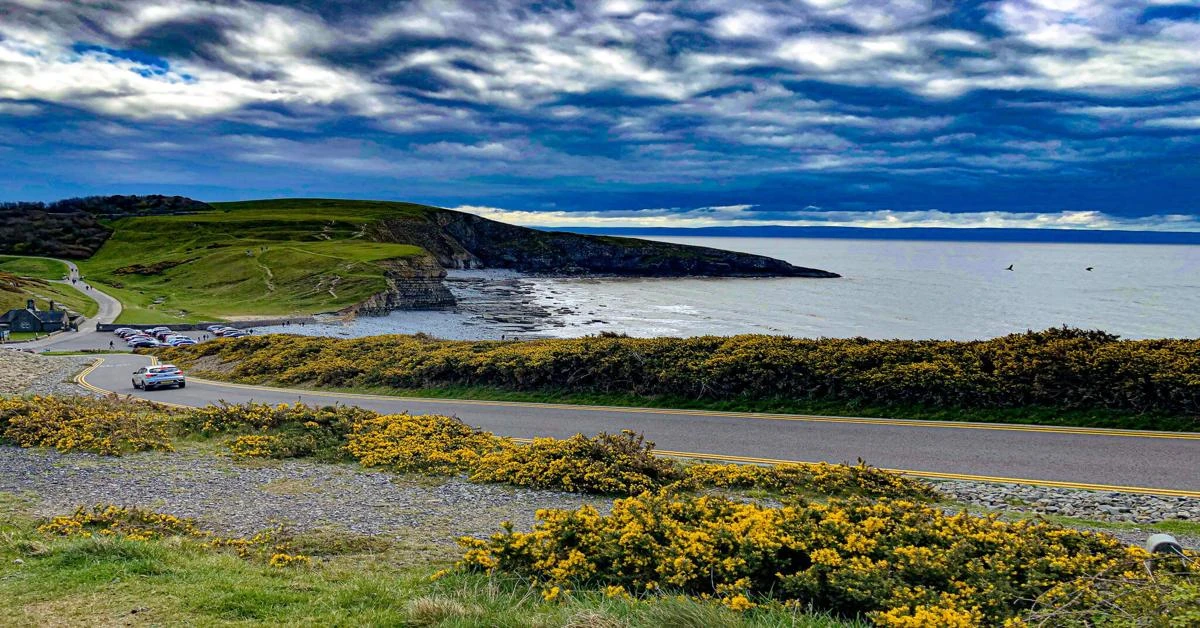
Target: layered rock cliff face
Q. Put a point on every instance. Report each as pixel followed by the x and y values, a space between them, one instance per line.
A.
pixel 414 283
pixel 461 240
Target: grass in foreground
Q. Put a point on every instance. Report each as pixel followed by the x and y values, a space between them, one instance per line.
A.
pixel 55 581
pixel 273 259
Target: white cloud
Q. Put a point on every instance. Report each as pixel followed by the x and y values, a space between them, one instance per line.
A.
pixel 1175 123
pixel 746 216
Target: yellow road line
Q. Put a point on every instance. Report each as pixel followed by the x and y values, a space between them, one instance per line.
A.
pixel 81 379
pixel 756 416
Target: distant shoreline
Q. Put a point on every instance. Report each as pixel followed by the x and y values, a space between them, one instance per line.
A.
pixel 937 234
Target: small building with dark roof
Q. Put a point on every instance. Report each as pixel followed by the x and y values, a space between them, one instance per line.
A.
pixel 32 319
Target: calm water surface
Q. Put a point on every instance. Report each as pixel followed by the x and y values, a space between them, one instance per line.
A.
pixel 902 289
pixel 889 289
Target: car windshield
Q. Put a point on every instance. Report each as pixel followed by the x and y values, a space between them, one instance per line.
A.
pixel 163 369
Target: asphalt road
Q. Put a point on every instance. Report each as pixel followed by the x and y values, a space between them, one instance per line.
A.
pixel 86 337
pixel 1161 462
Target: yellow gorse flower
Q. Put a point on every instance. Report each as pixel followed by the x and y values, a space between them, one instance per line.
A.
pixel 900 562
pixel 109 426
pixel 136 524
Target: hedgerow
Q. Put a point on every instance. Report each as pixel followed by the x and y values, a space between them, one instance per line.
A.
pixel 1058 368
pixel 107 426
pixel 901 563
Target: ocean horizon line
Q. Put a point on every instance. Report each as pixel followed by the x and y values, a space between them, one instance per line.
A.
pixel 948 234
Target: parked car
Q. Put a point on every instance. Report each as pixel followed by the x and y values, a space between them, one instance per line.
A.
pixel 214 328
pixel 143 343
pixel 128 333
pixel 236 333
pixel 181 341
pixel 120 330
pixel 151 377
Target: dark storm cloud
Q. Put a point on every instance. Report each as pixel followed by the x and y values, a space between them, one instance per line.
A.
pixel 1031 107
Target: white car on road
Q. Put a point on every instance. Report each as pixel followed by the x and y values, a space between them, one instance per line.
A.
pixel 152 377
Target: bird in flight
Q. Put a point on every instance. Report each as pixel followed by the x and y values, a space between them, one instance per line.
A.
pixel 1009 267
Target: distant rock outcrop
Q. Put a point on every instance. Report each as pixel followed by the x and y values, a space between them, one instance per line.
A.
pixel 414 283
pixel 461 240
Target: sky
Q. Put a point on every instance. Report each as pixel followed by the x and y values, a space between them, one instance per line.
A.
pixel 1081 114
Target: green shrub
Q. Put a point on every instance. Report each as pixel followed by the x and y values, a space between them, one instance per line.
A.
pixel 1058 368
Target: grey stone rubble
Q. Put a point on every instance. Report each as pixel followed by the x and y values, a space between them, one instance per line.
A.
pixel 1084 504
pixel 28 374
pixel 1102 506
pixel 242 498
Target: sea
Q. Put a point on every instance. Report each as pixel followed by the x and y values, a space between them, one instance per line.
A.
pixel 888 289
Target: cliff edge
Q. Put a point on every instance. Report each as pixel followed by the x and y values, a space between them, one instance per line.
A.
pixel 461 240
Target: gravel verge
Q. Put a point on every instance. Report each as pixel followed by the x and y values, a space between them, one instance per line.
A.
pixel 1102 506
pixel 426 513
pixel 29 374
pixel 241 498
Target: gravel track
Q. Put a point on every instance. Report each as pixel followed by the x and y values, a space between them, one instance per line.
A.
pixel 245 497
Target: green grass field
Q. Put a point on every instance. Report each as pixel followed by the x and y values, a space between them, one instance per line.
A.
pixel 43 293
pixel 355 581
pixel 37 267
pixel 276 258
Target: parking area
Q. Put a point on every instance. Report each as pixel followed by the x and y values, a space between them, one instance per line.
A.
pixel 83 340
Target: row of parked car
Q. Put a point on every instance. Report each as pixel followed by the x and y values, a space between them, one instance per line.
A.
pixel 227 332
pixel 156 337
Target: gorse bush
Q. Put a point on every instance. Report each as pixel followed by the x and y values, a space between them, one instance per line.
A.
pixel 901 563
pixel 805 478
pixel 109 426
pixel 1126 595
pixel 134 524
pixel 1060 368
pixel 614 464
pixel 296 430
pixel 137 524
pixel 421 443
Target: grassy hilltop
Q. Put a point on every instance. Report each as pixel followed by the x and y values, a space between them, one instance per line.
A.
pixel 24 278
pixel 173 259
pixel 269 258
